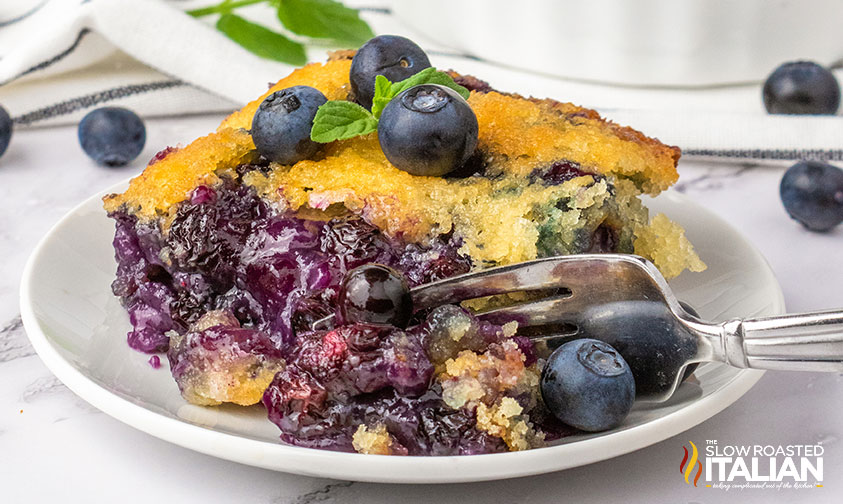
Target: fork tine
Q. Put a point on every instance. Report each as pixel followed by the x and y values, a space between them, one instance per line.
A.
pixel 566 308
pixel 547 311
pixel 572 272
pixel 546 273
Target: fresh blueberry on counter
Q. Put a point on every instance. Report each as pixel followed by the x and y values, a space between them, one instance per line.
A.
pixel 5 129
pixel 375 294
pixel 812 193
pixel 112 136
pixel 396 58
pixel 588 385
pixel 281 126
pixel 428 130
pixel 801 87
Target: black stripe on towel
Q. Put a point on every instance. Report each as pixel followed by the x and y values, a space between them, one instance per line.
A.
pixel 55 59
pixel 83 102
pixel 767 154
pixel 376 10
pixel 23 16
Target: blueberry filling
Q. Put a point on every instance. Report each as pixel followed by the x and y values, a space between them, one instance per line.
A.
pixel 264 279
pixel 225 250
pixel 560 172
pixel 361 374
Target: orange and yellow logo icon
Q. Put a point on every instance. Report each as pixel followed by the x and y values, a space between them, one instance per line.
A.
pixel 686 467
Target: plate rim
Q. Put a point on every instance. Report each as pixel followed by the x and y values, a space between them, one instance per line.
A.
pixel 378 468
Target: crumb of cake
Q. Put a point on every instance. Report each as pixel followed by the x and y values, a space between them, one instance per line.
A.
pixel 217 361
pixel 458 327
pixel 474 377
pixel 486 303
pixel 214 318
pixel 510 328
pixel 375 441
pixel 235 384
pixel 664 243
pixel 451 329
pixel 505 420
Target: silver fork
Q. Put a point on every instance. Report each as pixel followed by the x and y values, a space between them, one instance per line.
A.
pixel 625 301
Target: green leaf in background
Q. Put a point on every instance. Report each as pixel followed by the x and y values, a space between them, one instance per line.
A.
pixel 386 91
pixel 261 41
pixel 325 19
pixel 338 120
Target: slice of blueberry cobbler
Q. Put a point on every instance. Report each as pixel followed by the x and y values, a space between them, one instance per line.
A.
pixel 226 259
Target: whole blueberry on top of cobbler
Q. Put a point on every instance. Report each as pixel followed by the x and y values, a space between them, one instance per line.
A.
pixel 392 56
pixel 428 130
pixel 282 123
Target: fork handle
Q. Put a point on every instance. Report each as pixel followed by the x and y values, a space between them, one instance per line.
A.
pixel 799 342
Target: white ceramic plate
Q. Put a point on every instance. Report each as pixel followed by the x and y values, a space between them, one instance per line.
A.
pixel 79 330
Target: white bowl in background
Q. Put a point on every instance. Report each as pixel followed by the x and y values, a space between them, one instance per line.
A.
pixel 636 42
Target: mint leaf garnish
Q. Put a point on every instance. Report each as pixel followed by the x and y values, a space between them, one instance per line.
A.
pixel 338 120
pixel 429 76
pixel 383 95
pixel 325 19
pixel 261 41
pixel 386 91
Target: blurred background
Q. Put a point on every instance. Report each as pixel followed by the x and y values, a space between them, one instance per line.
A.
pixel 689 73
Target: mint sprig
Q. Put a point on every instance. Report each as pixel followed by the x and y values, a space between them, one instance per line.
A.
pixel 306 21
pixel 261 41
pixel 338 120
pixel 324 19
pixel 341 119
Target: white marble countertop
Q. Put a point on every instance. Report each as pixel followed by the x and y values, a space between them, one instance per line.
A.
pixel 56 448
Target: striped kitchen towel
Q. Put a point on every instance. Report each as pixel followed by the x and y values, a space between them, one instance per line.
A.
pixel 61 58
